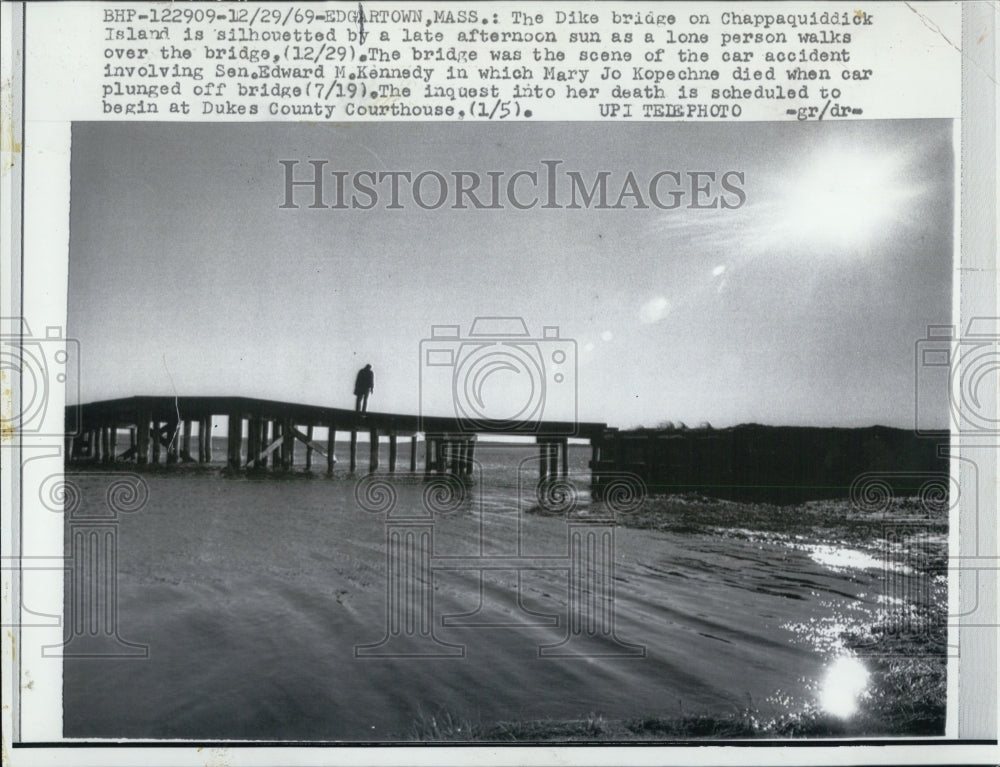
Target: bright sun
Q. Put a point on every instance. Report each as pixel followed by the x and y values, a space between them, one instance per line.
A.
pixel 845 198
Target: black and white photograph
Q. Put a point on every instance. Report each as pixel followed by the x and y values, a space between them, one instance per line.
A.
pixel 414 383
pixel 554 432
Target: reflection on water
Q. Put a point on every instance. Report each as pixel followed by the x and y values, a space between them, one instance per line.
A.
pixel 253 595
pixel 845 682
pixel 838 558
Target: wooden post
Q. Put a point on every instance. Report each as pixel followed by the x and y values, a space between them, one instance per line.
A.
pixel 595 479
pixel 413 454
pixel 287 445
pixel 440 446
pixel 208 439
pixel 309 450
pixel 133 446
pixel 472 451
pixel 277 457
pixel 186 450
pixel 543 459
pixel 142 438
pixel 253 439
pixel 330 440
pixel 154 434
pixel 264 442
pixel 173 441
pixel 373 449
pixel 105 444
pixel 564 449
pixel 113 442
pixel 428 453
pixel 235 440
pixel 392 451
pixel 354 448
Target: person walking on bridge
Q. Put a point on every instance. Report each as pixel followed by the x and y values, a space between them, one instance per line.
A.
pixel 364 385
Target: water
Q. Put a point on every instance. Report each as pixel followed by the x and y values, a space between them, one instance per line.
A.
pixel 252 595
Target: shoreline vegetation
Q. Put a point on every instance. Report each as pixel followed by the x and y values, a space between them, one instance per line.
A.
pixel 907 690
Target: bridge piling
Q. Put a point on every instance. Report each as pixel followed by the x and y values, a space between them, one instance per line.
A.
pixel 428 452
pixel 392 451
pixel 173 440
pixel 155 437
pixel 254 449
pixel 440 465
pixel 354 449
pixel 330 440
pixel 309 448
pixel 233 439
pixel 413 454
pixel 452 448
pixel 373 450
pixel 262 441
pixel 288 445
pixel 142 438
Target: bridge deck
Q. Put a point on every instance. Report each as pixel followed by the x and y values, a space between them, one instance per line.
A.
pixel 263 432
pixel 125 412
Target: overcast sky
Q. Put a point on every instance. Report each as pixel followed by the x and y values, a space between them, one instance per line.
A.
pixel 801 307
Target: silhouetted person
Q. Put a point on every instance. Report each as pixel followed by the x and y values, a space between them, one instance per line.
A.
pixel 364 385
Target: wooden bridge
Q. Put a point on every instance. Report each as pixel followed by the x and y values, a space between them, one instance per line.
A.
pixel 262 434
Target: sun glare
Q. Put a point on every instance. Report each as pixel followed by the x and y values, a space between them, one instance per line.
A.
pixel 845 198
pixel 846 680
